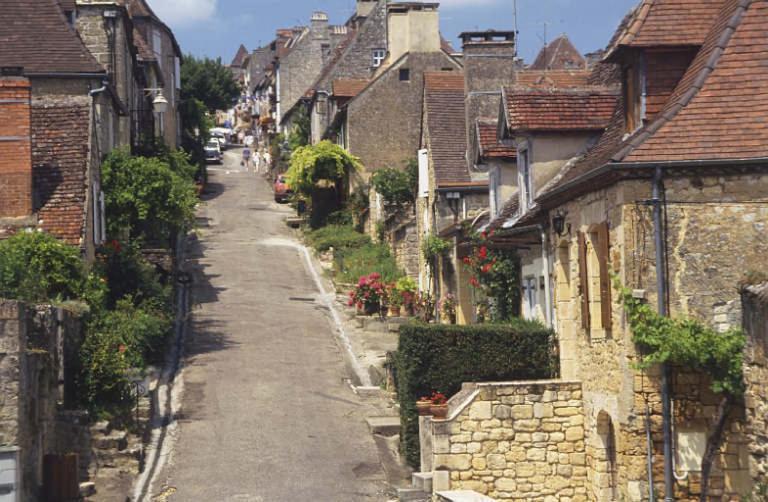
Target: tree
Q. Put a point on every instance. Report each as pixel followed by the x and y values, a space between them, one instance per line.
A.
pixel 324 161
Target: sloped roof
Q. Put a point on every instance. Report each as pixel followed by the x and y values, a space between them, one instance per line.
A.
pixel 240 56
pixel 727 116
pixel 549 79
pixel 559 54
pixel 668 22
pixel 446 125
pixel 488 142
pixel 145 53
pixel 583 109
pixel 35 34
pixel 348 87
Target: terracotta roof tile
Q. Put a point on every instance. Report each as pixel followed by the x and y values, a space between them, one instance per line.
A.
pixel 348 87
pixel 551 79
pixel 585 109
pixel 446 126
pixel 490 147
pixel 35 34
pixel 559 54
pixel 669 22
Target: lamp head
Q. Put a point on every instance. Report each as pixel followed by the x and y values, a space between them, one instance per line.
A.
pixel 160 104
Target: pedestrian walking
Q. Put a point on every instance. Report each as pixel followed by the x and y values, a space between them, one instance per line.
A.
pixel 246 158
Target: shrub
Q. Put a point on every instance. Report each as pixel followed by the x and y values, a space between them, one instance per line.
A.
pixel 394 185
pixel 336 236
pixel 433 356
pixel 353 263
pixel 36 267
pixel 434 246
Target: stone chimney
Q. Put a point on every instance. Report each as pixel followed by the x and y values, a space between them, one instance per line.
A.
pixel 319 21
pixel 15 144
pixel 412 27
pixel 364 7
pixel 490 62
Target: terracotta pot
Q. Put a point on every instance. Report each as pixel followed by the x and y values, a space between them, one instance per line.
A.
pixel 394 311
pixel 439 411
pixel 423 407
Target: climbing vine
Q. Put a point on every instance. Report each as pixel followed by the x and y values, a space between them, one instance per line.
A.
pixel 690 344
pixel 495 274
pixel 324 161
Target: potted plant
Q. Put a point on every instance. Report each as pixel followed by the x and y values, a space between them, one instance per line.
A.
pixel 423 406
pixel 448 308
pixel 439 407
pixel 367 294
pixel 394 300
pixel 407 288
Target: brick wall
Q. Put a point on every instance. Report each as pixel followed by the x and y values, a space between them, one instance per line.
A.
pixel 60 154
pixel 15 149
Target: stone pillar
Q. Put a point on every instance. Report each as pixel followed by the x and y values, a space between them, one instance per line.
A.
pixel 425 440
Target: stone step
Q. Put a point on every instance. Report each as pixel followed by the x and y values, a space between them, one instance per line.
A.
pixel 116 440
pixel 385 426
pixel 462 496
pixel 412 494
pixel 422 481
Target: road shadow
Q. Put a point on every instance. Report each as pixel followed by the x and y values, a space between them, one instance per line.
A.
pixel 212 190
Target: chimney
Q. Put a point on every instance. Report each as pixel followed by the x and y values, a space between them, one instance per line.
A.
pixel 364 7
pixel 15 144
pixel 319 21
pixel 412 27
pixel 490 63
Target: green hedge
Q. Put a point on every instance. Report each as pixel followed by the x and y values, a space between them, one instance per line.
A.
pixel 441 357
pixel 337 237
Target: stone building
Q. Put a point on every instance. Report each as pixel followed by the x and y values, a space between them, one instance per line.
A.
pixel 73 122
pixel 167 75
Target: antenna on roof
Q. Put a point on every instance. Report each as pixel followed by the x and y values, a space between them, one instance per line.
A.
pixel 514 13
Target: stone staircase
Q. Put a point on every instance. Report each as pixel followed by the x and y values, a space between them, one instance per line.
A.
pixel 420 489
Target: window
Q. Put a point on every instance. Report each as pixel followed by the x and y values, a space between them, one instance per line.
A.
pixel 157 44
pixel 595 282
pixel 526 179
pixel 423 173
pixel 633 77
pixel 177 71
pixel 405 75
pixel 377 57
pixel 326 51
pixel 494 182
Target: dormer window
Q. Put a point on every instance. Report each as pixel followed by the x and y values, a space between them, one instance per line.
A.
pixel 634 93
pixel 526 179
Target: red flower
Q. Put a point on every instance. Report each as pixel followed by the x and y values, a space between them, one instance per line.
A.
pixel 487 268
pixel 473 281
pixel 483 252
pixel 467 261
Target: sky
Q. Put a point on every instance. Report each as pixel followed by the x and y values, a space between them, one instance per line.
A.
pixel 216 28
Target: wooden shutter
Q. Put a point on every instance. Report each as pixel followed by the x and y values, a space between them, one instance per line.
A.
pixel 605 279
pixel 583 281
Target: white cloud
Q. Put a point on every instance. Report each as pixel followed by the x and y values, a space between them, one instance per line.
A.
pixel 184 12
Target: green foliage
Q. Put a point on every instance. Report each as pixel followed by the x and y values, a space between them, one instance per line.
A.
pixel 36 267
pixel 118 341
pixel 150 198
pixel 324 161
pixel 394 185
pixel 439 357
pixel 336 236
pixel 495 273
pixel 406 285
pixel 208 81
pixel 353 263
pixel 433 246
pixel 687 343
pixel 128 274
pixel 301 130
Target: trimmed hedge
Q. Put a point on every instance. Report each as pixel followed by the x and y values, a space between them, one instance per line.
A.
pixel 442 357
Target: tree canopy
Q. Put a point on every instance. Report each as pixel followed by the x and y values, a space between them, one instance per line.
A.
pixel 323 161
pixel 208 81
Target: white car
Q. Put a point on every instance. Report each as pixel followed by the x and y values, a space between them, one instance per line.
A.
pixel 213 151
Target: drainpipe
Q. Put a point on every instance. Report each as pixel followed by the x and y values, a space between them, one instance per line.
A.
pixel 661 292
pixel 545 263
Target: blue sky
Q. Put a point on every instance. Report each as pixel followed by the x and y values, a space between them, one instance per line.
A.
pixel 216 28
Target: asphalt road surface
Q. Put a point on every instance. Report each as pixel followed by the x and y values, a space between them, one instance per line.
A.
pixel 266 413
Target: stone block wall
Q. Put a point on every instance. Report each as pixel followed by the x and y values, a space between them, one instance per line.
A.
pixel 755 301
pixel 515 441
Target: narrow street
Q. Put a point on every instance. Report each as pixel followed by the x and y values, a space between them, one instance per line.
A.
pixel 266 412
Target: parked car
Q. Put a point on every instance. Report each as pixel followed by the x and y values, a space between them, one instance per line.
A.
pixel 221 138
pixel 282 191
pixel 213 152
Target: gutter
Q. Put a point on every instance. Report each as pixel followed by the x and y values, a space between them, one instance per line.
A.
pixel 66 75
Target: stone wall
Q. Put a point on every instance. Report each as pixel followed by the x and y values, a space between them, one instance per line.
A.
pixel 756 375
pixel 514 441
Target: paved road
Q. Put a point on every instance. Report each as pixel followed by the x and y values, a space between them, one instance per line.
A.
pixel 266 414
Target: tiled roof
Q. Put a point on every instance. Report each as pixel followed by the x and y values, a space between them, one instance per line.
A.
pixel 669 22
pixel 240 56
pixel 726 118
pixel 550 79
pixel 35 34
pixel 446 126
pixel 585 109
pixel 510 209
pixel 348 87
pixel 560 54
pixel 145 53
pixel 67 5
pixel 490 147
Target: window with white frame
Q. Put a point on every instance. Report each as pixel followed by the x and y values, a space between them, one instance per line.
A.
pixel 494 186
pixel 423 173
pixel 377 57
pixel 526 178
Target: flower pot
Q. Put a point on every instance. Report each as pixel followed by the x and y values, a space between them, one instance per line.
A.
pixel 423 407
pixel 439 411
pixel 394 311
pixel 371 308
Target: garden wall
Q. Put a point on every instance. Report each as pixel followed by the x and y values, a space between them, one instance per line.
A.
pixel 514 441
